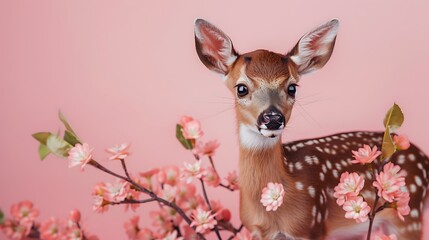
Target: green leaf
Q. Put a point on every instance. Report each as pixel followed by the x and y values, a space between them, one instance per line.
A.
pixel 388 147
pixel 43 151
pixel 58 146
pixel 70 138
pixel 394 118
pixel 42 137
pixel 187 144
pixel 1 217
pixel 67 125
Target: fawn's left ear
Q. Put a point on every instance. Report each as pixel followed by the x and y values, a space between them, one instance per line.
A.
pixel 315 48
pixel 214 47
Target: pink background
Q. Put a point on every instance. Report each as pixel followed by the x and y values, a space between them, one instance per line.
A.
pixel 126 71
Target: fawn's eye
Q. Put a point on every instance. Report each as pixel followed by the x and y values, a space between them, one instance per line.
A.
pixel 291 90
pixel 242 90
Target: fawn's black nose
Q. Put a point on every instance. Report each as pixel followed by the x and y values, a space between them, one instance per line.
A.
pixel 272 118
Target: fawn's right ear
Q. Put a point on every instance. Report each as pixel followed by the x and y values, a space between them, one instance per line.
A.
pixel 214 47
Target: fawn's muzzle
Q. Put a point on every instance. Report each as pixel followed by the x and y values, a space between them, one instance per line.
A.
pixel 271 119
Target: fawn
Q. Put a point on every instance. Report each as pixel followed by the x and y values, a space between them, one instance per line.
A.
pixel 264 84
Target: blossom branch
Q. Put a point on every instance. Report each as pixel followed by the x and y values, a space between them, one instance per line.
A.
pixel 142 189
pixel 210 208
pixel 227 187
pixel 371 217
pixel 132 201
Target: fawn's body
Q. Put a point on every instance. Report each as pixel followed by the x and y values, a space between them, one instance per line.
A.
pixel 264 84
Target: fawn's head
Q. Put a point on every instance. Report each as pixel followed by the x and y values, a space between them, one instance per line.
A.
pixel 264 83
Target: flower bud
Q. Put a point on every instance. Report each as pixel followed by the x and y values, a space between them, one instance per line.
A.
pixel 75 215
pixel 225 215
pixel 401 142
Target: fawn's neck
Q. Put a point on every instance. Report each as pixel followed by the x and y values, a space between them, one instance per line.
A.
pixel 261 161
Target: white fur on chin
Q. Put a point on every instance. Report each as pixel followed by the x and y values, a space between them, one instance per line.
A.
pixel 251 138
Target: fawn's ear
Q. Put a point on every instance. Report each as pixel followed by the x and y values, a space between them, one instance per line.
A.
pixel 214 47
pixel 314 49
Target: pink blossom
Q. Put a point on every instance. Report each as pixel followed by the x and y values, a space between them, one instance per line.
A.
pixel 171 236
pixel 402 206
pixel 131 227
pixel 117 192
pixel 24 211
pixel 232 179
pixel 80 154
pixel 191 128
pixel 150 173
pixel 350 186
pixel 191 171
pixel 185 190
pixel 388 185
pixel 192 202
pixel 203 220
pixel 16 229
pixel 119 151
pixel 211 177
pixel 168 175
pixel 134 232
pixel 132 194
pixel 401 142
pixel 73 233
pixel 272 196
pixel 394 171
pixel 161 221
pixel 174 216
pixel 206 149
pixel 99 204
pixel 185 119
pixel 148 177
pixel 145 234
pixel 385 237
pixel 51 229
pixel 99 189
pixel 365 155
pixel 356 209
pixel 189 233
pixel 74 215
pixel 169 193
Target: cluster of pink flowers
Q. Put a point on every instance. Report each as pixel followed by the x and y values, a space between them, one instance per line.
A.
pixel 81 154
pixel 23 216
pixel 389 183
pixel 170 183
pixel 23 225
pixel 347 194
pixel 167 183
pixel 184 213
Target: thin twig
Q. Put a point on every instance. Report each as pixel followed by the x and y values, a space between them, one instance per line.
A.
pixel 373 210
pixel 213 166
pixel 124 166
pixel 371 218
pixel 227 187
pixel 210 208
